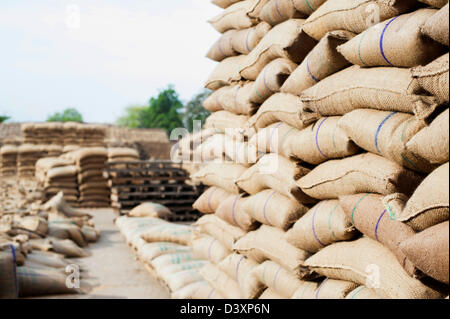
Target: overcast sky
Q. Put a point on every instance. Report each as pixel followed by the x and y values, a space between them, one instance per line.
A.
pixel 114 54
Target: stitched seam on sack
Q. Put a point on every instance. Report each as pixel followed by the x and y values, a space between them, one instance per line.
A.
pixel 306 98
pixel 338 11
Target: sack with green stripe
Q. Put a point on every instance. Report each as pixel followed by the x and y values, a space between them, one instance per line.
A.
pixel 172 233
pixel 394 42
pixel 322 61
pixel 150 251
pixel 364 293
pixel 221 282
pixel 231 210
pixel 206 247
pixel 271 78
pixel 386 134
pixel 183 278
pixel 222 48
pixel 438 25
pixel 326 289
pixel 368 214
pixel 322 225
pixel 161 262
pixel 277 11
pixel 273 209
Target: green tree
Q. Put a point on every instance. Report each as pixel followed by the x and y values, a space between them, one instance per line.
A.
pixel 131 118
pixel 3 118
pixel 194 110
pixel 68 115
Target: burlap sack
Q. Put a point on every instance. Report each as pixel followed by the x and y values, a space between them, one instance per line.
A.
pixel 90 234
pixel 428 206
pixel 362 292
pixel 206 292
pixel 67 248
pixel 282 107
pixel 434 78
pixel 277 173
pixel 62 230
pixel 188 291
pixel 437 26
pixel 327 289
pixel 307 7
pixel 226 72
pixel 306 291
pixel 286 40
pixel 211 150
pixel 223 120
pixel 369 215
pixel 189 265
pixel 212 102
pixel 150 251
pixel 222 48
pixel 244 41
pixel 385 134
pixel 220 175
pixel 210 200
pixel 383 88
pixel 367 262
pixel 273 209
pixel 236 99
pixel 8 277
pixel 62 172
pixel 435 3
pixel 48 259
pixel 240 152
pixel 277 11
pixel 208 248
pixel 150 210
pixel 173 233
pixel 365 173
pixel 224 3
pixel 394 42
pixel 183 278
pixel 429 251
pixel 270 294
pixel 271 79
pixel 322 225
pixel 231 211
pixel 268 243
pixel 271 275
pixel 354 15
pixel 323 60
pixel 432 142
pixel 239 267
pixel 167 260
pixel 221 282
pixel 240 15
pixel 225 233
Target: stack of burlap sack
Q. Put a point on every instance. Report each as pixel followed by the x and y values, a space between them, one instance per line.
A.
pixel 36 247
pixel 91 135
pixel 28 155
pixel 122 154
pixel 328 166
pixel 165 250
pixel 8 160
pixel 58 174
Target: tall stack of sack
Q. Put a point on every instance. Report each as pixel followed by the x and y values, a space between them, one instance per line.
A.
pixel 58 174
pixel 8 161
pixel 91 135
pixel 338 181
pixel 28 155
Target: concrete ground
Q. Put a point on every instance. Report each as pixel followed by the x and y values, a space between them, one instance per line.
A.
pixel 112 270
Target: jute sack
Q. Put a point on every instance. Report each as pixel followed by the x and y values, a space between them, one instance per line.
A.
pixel 150 251
pixel 150 210
pixel 315 144
pixel 386 134
pixel 240 152
pixel 244 41
pixel 225 233
pixel 208 248
pixel 239 267
pixel 277 173
pixel 268 243
pixel 226 72
pixel 327 289
pixel 189 290
pixel 240 15
pixel 432 142
pixel 220 281
pixel 33 282
pixel 212 102
pixel 434 78
pixel 362 292
pixel 189 265
pixel 322 225
pixel 273 209
pixel 167 260
pixel 8 277
pixel 231 211
pixel 270 294
pixel 211 150
pixel 428 250
pixel 365 173
pixel 236 99
pixel 307 7
pixel 182 279
pixel 307 290
pixel 322 61
pixel 428 206
pixel 65 171
pixel 66 231
pixel 34 223
pixel 282 107
pixel 223 120
pixel 394 42
pixel 224 3
pixel 67 248
pixel 48 259
pixel 222 48
pixel 210 200
pixel 354 15
pixel 271 79
pixel 369 215
pixel 437 26
pixel 90 234
pixel 367 262
pixel 173 233
pixel 220 175
pixel 382 88
pixel 286 40
pixel 277 11
pixel 206 292
pixel 271 275
pixel 435 3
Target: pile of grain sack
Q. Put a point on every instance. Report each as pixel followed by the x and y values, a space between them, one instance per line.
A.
pixel 327 151
pixel 36 247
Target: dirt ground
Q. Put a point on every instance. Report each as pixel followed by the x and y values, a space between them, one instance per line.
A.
pixel 112 271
